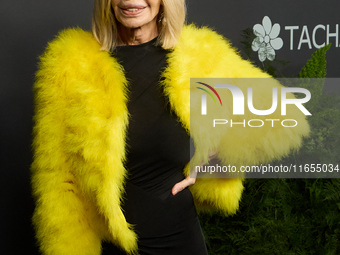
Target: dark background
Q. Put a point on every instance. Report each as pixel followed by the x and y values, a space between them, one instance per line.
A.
pixel 27 26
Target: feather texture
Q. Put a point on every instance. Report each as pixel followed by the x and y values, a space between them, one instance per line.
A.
pixel 80 120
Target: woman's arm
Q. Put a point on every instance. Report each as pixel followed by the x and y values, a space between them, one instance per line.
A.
pixel 61 219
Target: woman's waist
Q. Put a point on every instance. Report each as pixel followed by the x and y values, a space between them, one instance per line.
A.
pixel 159 186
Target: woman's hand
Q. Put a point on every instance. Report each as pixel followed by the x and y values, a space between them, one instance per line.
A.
pixel 179 186
pixel 191 178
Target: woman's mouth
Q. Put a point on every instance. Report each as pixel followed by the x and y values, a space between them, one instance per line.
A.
pixel 132 10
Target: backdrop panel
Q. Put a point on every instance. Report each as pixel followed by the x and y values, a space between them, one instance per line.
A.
pixel 27 26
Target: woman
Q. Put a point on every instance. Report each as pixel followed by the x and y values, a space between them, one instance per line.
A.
pixel 111 143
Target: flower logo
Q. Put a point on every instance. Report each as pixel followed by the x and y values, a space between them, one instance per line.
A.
pixel 267 40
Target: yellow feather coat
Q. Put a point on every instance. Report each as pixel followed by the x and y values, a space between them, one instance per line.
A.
pixel 79 138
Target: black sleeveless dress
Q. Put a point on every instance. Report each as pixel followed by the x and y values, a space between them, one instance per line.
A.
pixel 158 148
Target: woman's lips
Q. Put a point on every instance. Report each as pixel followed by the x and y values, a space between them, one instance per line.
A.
pixel 132 9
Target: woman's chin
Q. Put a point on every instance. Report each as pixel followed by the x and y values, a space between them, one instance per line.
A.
pixel 136 24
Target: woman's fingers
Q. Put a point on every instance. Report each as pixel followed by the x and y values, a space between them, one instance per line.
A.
pixel 183 184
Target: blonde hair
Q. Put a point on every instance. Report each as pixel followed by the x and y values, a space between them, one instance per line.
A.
pixel 171 16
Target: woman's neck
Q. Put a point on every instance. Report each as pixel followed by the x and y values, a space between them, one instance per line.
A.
pixel 135 36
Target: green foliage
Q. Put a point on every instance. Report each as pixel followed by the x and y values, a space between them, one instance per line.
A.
pixel 316 67
pixel 279 216
pixel 290 216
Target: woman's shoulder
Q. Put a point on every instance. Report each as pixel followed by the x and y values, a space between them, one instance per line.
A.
pixel 70 46
pixel 203 51
pixel 73 52
pixel 200 31
pixel 205 43
pixel 72 39
pixel 204 37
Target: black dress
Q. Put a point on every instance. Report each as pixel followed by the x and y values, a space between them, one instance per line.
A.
pixel 158 148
